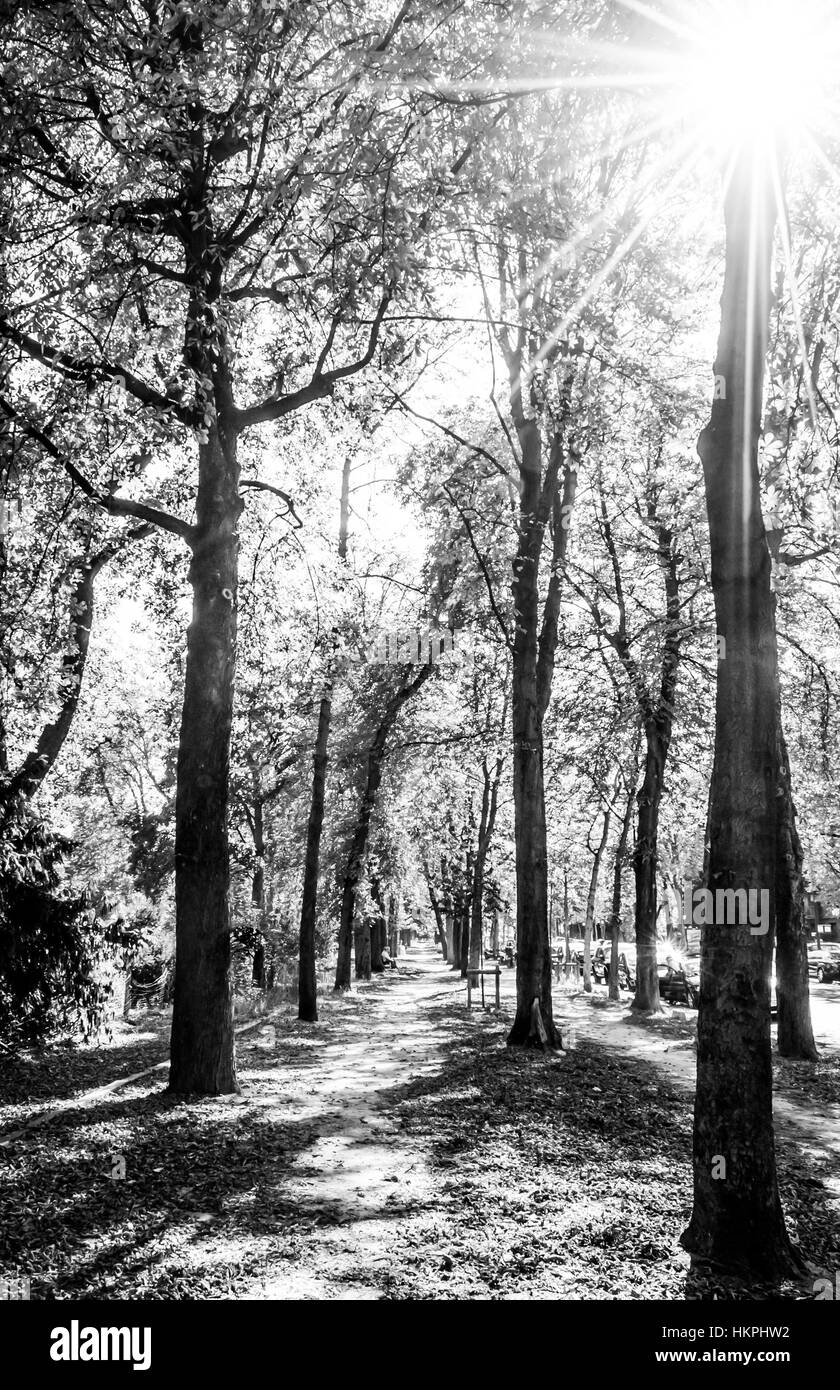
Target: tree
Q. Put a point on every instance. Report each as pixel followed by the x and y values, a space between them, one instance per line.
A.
pixel 204 205
pixel 737 1218
pixel 411 682
pixel 307 987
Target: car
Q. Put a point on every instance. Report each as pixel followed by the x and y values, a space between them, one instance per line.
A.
pixel 676 985
pixel 600 964
pixel 824 964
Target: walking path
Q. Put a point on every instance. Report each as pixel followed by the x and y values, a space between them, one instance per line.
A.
pixel 395 1148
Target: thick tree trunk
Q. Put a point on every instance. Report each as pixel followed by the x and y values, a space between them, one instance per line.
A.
pixel 307 979
pixel 795 1035
pixel 202 1055
pixel 533 955
pixel 533 665
pixel 737 1219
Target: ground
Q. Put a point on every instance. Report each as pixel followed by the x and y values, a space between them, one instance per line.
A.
pixel 395 1149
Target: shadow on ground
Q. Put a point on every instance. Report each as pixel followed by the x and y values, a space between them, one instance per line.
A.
pixel 489 1174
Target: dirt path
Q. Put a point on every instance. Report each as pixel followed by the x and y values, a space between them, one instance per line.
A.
pixel 361 1169
pixel 395 1149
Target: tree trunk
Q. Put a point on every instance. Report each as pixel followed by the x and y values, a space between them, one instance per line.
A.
pixel 394 925
pixel 358 846
pixel 646 999
pixel 37 763
pixel 533 956
pixel 615 913
pixel 436 909
pixel 533 665
pixel 487 824
pixel 796 1035
pixel 363 948
pixel 378 930
pixel 257 822
pixel 657 714
pixel 202 1047
pixel 378 942
pixel 258 967
pixel 737 1219
pixel 466 901
pixel 355 862
pixel 307 978
pixel 598 855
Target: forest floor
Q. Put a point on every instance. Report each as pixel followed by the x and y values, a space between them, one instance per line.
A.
pixel 395 1149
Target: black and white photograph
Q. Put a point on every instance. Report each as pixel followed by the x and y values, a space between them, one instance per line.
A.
pixel 419 674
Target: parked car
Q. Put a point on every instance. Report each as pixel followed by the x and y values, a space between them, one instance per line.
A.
pixel 678 983
pixel 600 964
pixel 824 964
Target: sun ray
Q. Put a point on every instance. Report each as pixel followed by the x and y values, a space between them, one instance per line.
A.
pixel 601 277
pixel 617 207
pixel 796 307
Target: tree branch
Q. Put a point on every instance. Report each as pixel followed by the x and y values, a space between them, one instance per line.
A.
pixel 115 506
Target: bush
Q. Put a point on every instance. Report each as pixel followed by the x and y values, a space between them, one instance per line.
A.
pixel 51 946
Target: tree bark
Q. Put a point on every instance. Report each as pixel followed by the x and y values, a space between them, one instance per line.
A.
pixel 466 901
pixel 737 1220
pixel 394 925
pixel 795 1033
pixel 363 948
pixel 646 998
pixel 202 1055
pixel 487 824
pixel 533 661
pixel 257 823
pixel 615 913
pixel 597 856
pixel 307 979
pixel 378 942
